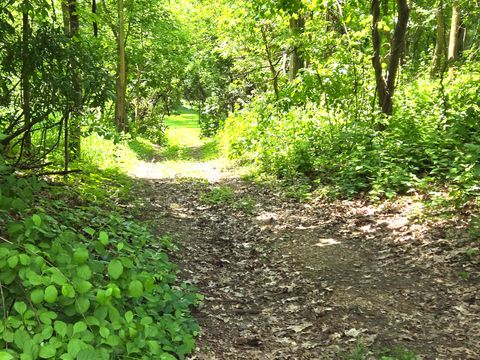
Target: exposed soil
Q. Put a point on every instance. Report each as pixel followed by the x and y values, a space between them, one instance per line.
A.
pixel 313 280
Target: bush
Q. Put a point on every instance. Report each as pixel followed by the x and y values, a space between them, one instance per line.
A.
pixel 431 139
pixel 79 282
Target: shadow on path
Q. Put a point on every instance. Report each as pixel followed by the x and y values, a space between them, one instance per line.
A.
pixel 284 279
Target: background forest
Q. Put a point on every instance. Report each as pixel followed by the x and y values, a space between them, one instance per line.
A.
pixel 349 99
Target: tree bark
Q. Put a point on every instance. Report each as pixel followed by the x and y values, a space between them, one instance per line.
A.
pixel 271 65
pixel 454 32
pixel 26 75
pixel 386 83
pixel 121 90
pixel 72 124
pixel 95 23
pixel 75 125
pixel 297 27
pixel 439 54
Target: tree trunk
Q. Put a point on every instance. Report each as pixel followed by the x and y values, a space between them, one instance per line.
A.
pixel 454 32
pixel 386 84
pixel 26 74
pixel 75 125
pixel 297 27
pixel 271 65
pixel 121 90
pixel 73 121
pixel 462 38
pixel 439 54
pixel 95 23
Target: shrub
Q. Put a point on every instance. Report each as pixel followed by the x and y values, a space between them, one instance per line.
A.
pixel 432 138
pixel 78 282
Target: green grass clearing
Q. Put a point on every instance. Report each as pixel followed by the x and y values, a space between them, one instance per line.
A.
pixel 184 141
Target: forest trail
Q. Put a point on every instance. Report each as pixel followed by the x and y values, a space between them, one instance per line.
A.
pixel 286 279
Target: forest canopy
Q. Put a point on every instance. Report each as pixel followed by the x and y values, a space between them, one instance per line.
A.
pixel 349 99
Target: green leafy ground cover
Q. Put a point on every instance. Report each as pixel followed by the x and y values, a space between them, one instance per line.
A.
pixel 423 147
pixel 82 279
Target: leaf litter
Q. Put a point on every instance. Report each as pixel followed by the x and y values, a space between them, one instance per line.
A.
pixel 312 280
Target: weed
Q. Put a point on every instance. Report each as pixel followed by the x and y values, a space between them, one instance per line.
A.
pixel 225 196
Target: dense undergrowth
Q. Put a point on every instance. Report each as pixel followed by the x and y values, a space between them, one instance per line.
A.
pixel 431 142
pixel 82 279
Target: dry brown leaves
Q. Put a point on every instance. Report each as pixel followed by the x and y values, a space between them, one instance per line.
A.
pixel 312 280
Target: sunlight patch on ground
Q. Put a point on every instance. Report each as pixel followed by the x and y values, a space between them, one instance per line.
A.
pixel 212 171
pixel 186 137
pixel 186 154
pixel 327 242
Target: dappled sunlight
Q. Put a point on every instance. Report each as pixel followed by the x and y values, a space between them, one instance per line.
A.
pixel 327 242
pixel 212 171
pixel 186 154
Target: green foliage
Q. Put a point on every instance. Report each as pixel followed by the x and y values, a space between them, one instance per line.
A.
pixel 422 145
pixel 363 353
pixel 218 195
pixel 79 282
pixel 226 196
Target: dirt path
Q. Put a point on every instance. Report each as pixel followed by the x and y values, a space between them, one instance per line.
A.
pixel 284 279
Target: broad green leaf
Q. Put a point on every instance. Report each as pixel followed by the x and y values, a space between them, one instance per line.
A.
pixel 88 354
pixel 8 336
pixel 20 338
pixel 68 291
pixel 12 261
pixel 83 286
pixel 4 252
pixel 47 352
pixel 129 316
pixel 5 356
pixel 51 294
pixel 47 332
pixel 45 318
pixel 89 231
pixel 37 296
pixel 82 305
pixel 104 332
pixel 37 220
pixel 80 255
pixel 67 357
pixel 74 346
pixel 135 289
pixel 60 328
pixel 103 238
pixel 147 320
pixel 79 327
pixel 115 269
pixel 166 356
pixel 58 278
pixel 34 278
pixel 24 259
pixel 84 272
pixel 20 307
pixel 92 321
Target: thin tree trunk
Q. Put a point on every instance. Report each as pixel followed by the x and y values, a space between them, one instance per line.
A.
pixel 462 38
pixel 75 123
pixel 121 90
pixel 454 30
pixel 271 65
pixel 439 53
pixel 95 23
pixel 386 84
pixel 72 129
pixel 26 74
pixel 297 27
